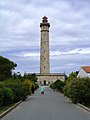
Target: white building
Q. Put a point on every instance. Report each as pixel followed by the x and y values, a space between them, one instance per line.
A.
pixel 84 72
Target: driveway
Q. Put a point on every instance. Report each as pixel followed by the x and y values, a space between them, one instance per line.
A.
pixel 50 106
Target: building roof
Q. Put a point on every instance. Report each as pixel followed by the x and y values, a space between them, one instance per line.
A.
pixel 86 69
pixel 44 17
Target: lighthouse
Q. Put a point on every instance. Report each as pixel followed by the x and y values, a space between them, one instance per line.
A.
pixel 44 47
pixel 45 77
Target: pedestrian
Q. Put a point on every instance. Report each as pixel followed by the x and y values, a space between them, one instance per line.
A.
pixel 32 89
pixel 42 89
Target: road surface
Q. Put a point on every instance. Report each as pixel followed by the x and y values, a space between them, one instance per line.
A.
pixel 51 106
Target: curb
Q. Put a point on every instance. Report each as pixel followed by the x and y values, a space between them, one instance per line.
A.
pixel 11 108
pixel 84 107
pixel 66 97
pixel 80 105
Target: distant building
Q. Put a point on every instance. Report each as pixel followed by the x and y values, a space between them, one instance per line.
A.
pixel 84 72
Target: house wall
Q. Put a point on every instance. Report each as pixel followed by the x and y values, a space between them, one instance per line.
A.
pixel 88 75
pixel 83 74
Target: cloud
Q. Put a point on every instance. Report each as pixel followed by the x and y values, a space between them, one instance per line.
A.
pixel 69 31
pixel 72 52
pixel 78 51
pixel 31 55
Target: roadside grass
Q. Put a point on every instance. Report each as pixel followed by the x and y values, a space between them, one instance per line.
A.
pixel 4 108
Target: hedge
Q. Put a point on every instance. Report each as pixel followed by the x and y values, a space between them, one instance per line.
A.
pixel 58 85
pixel 78 90
pixel 15 90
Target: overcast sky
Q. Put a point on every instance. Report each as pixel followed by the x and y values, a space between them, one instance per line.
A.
pixel 69 33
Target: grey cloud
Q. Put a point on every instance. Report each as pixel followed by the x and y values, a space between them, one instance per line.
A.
pixel 20 32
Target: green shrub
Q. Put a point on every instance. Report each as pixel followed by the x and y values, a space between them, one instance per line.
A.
pixel 14 90
pixel 53 86
pixel 36 86
pixel 8 96
pixel 1 97
pixel 21 90
pixel 2 85
pixel 67 88
pixel 78 90
pixel 58 85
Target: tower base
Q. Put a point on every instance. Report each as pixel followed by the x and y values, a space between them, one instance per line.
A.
pixel 47 79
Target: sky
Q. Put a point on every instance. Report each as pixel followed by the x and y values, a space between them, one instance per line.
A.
pixel 69 33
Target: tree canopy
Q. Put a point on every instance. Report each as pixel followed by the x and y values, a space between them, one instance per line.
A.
pixel 31 77
pixel 72 76
pixel 6 67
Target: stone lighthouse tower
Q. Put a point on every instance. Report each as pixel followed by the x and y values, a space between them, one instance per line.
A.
pixel 44 50
pixel 45 77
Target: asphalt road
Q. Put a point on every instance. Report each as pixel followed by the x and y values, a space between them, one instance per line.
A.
pixel 51 106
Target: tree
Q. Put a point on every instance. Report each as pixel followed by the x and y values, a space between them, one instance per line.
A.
pixel 6 67
pixel 72 76
pixel 31 77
